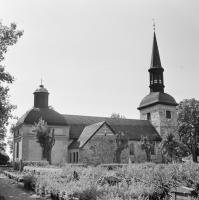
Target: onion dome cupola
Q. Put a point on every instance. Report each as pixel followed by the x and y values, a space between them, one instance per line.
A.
pixel 156 95
pixel 41 97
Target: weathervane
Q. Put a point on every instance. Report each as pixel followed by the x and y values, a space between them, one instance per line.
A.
pixel 154 24
pixel 41 81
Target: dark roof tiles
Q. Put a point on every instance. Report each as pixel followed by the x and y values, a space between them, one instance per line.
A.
pixel 157 98
pixel 135 128
pixel 50 116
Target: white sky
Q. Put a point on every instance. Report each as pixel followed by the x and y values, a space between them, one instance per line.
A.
pixel 94 55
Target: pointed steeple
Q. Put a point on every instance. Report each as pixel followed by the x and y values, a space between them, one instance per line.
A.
pixel 155 57
pixel 156 70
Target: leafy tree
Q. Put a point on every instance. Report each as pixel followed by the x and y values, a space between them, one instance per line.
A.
pixel 8 37
pixel 10 138
pixel 44 137
pixel 188 124
pixel 147 143
pixel 117 115
pixel 122 143
pixel 4 158
pixel 173 149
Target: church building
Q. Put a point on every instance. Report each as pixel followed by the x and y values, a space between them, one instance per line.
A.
pixel 91 140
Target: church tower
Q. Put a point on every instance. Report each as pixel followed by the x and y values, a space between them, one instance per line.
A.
pixel 158 107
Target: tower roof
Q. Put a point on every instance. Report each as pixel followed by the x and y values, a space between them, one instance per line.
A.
pixel 41 89
pixel 155 98
pixel 155 57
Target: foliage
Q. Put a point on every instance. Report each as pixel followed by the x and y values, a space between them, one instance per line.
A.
pixel 8 37
pixel 4 158
pixel 44 137
pixel 147 143
pixel 117 115
pixel 147 181
pixel 122 143
pixel 10 138
pixel 29 181
pixel 188 124
pixel 173 149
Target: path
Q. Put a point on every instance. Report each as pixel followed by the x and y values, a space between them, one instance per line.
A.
pixel 10 190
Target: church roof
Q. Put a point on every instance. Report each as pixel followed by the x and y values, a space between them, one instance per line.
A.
pixel 50 116
pixel 157 98
pixel 134 127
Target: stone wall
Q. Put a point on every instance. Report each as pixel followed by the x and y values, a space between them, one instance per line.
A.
pixel 159 120
pixel 101 149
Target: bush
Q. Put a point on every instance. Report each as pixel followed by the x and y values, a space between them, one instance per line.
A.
pixel 4 158
pixel 16 165
pixel 29 182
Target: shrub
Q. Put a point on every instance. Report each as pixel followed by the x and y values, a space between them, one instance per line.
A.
pixel 29 181
pixel 4 158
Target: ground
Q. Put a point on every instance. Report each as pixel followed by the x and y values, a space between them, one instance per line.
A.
pixel 11 190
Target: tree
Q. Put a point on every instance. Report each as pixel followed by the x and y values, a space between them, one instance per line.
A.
pixel 8 37
pixel 44 137
pixel 173 149
pixel 188 124
pixel 4 158
pixel 122 143
pixel 117 115
pixel 147 143
pixel 11 137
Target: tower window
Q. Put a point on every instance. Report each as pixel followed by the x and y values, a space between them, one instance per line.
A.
pixel 155 78
pixel 151 78
pixel 160 79
pixel 168 114
pixel 148 116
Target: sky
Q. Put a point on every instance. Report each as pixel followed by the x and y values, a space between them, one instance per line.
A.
pixel 93 55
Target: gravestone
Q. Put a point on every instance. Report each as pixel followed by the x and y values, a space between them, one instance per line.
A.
pixel 182 193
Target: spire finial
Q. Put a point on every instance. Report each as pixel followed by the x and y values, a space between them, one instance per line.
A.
pixel 41 83
pixel 154 25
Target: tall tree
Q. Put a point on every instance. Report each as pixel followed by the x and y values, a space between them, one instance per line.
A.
pixel 44 137
pixel 147 143
pixel 188 124
pixel 122 143
pixel 117 115
pixel 8 37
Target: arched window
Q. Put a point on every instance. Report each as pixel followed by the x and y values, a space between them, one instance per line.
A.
pixel 153 150
pixel 155 78
pixel 131 149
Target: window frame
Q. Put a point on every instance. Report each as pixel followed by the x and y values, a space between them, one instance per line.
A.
pixel 168 114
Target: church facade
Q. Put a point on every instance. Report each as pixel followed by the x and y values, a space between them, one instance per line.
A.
pixel 91 140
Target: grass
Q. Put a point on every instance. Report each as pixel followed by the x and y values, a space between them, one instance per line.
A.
pixel 147 181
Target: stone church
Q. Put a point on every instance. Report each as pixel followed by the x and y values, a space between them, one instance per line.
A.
pixel 91 140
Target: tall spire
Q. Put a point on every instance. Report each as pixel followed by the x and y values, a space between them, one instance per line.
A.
pixel 156 70
pixel 155 57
